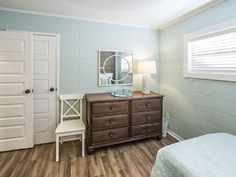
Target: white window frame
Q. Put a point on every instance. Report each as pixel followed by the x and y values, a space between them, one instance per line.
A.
pixel 200 34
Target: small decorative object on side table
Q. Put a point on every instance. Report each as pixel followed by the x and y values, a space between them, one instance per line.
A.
pixel 146 68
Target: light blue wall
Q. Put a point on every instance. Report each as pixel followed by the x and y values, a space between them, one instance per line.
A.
pixel 80 41
pixel 196 106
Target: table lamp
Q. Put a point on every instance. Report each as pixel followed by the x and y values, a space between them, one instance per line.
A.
pixel 146 68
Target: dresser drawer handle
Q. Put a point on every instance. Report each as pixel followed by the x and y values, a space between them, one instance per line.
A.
pixel 146 104
pixel 110 121
pixel 147 129
pixel 147 117
pixel 110 135
pixel 110 108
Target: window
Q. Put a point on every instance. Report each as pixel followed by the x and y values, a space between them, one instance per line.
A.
pixel 211 53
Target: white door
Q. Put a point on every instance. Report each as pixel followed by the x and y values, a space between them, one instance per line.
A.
pixel 44 85
pixel 16 123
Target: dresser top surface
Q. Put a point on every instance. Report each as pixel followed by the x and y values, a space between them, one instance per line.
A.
pixel 108 97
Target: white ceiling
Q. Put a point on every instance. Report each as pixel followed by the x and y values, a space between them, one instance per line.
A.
pixel 145 13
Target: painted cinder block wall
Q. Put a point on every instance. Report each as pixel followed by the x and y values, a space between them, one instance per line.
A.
pixel 196 107
pixel 80 41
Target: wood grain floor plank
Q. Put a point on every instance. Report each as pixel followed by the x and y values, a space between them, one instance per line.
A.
pixel 126 160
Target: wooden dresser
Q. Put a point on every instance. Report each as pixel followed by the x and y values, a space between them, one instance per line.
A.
pixel 113 120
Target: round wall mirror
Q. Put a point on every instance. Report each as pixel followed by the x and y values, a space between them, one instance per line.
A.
pixel 115 67
pixel 122 67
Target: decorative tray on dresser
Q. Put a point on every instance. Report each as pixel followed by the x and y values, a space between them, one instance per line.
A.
pixel 113 120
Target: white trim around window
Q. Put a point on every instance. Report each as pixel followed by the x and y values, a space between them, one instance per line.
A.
pixel 210 53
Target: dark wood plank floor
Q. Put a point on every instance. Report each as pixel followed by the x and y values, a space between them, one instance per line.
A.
pixel 127 160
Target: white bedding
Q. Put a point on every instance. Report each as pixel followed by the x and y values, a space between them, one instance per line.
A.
pixel 212 155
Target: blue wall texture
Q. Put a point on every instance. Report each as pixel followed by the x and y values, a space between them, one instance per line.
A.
pixel 195 106
pixel 80 42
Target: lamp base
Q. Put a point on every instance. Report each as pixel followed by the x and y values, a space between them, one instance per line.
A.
pixel 146 84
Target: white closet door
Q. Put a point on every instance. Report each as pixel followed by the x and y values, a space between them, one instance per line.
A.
pixel 44 79
pixel 16 123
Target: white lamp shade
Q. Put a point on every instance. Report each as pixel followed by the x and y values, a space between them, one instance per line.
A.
pixel 147 67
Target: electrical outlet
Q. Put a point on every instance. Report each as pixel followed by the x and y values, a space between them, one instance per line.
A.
pixel 167 115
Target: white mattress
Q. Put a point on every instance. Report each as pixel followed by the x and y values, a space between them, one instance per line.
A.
pixel 212 155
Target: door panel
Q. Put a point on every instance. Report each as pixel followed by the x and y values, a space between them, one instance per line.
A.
pixel 12 132
pixel 11 68
pixel 42 46
pixel 41 106
pixel 41 85
pixel 16 123
pixel 41 125
pixel 11 110
pixel 12 45
pixel 11 89
pixel 44 77
pixel 41 67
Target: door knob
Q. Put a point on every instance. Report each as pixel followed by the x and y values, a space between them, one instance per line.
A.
pixel 27 91
pixel 51 89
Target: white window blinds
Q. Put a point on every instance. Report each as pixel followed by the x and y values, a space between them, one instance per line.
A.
pixel 211 54
pixel 215 54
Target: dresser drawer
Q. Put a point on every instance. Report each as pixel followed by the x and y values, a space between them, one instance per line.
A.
pixel 110 122
pixel 110 107
pixel 146 104
pixel 146 117
pixel 146 129
pixel 109 135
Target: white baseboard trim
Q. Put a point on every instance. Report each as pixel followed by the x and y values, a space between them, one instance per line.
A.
pixel 179 138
